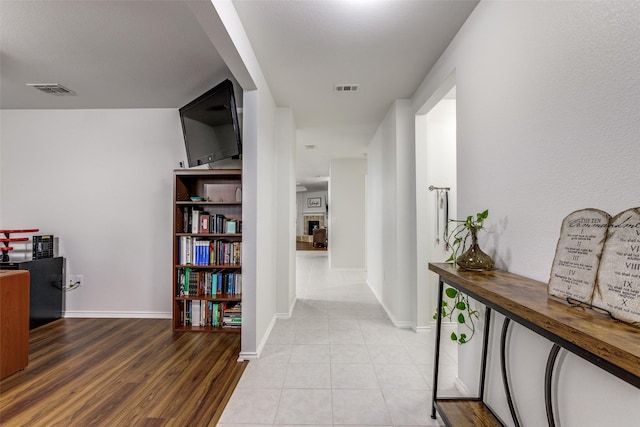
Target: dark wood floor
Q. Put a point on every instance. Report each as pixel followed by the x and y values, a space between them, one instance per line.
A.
pixel 121 372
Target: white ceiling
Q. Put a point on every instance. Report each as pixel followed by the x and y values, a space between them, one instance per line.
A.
pixel 113 54
pixel 155 54
pixel 305 48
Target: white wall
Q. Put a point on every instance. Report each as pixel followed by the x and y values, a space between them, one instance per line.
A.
pixel 346 231
pixel 391 237
pixel 548 95
pixel 378 212
pixel 261 183
pixel 286 209
pixel 101 181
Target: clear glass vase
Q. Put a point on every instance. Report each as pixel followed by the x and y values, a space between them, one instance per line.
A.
pixel 474 259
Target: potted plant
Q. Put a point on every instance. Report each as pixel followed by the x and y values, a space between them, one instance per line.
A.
pixel 469 258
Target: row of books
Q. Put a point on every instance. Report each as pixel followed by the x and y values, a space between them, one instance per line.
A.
pixel 210 313
pixel 197 221
pixel 207 283
pixel 199 251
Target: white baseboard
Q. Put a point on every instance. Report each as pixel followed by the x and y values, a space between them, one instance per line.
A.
pixel 263 342
pixel 247 355
pixel 375 294
pixel 118 314
pixel 401 324
pixel 290 313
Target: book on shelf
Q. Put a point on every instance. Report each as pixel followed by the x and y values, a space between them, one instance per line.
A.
pixel 182 286
pixel 193 282
pixel 186 250
pixel 186 220
pixel 195 220
pixel 187 312
pixel 204 222
pixel 195 313
pixel 216 225
pixel 215 314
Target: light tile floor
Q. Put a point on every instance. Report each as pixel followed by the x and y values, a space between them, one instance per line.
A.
pixel 340 361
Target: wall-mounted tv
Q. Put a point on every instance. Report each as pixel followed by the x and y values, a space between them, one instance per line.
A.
pixel 210 126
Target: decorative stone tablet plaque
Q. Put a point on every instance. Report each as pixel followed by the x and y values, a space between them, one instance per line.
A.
pixel 575 266
pixel 618 282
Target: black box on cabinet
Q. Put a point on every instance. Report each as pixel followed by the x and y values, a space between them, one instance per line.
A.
pixel 43 246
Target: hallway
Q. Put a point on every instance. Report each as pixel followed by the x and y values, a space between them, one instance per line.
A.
pixel 339 361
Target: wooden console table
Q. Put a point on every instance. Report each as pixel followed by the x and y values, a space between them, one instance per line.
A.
pixel 14 321
pixel 610 345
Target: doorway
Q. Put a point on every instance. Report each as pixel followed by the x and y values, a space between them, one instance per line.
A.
pixel 435 169
pixel 312 218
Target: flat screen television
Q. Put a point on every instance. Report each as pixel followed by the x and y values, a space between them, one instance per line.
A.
pixel 210 126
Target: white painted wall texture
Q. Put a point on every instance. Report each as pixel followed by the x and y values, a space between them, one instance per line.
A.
pixel 548 96
pixel 261 183
pixel 101 181
pixel 286 211
pixel 346 231
pixel 391 211
pixel 374 206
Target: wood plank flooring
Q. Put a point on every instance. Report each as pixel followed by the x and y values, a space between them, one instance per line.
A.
pixel 307 246
pixel 121 372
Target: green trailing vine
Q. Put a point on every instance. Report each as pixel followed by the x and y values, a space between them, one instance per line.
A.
pixel 465 314
pixel 457 306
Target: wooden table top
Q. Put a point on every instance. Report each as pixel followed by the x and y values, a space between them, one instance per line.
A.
pixel 615 342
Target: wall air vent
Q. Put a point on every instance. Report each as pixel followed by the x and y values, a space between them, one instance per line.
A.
pixel 347 88
pixel 52 89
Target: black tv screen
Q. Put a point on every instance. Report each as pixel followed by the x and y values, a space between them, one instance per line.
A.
pixel 210 126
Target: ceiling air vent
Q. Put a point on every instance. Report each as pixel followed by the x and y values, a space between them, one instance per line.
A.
pixel 347 88
pixel 52 89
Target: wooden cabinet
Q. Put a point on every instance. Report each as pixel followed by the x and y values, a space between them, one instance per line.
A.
pixel 207 250
pixel 14 321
